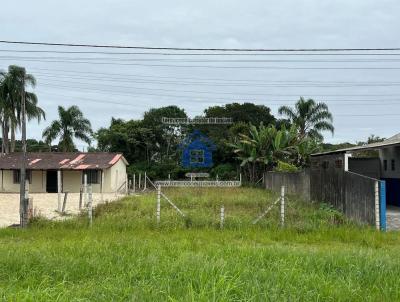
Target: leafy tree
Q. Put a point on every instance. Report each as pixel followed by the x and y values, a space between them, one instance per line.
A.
pixel 71 124
pixel 375 139
pixel 245 113
pixel 263 147
pixel 146 140
pixel 242 115
pixel 129 137
pixel 166 136
pixel 12 86
pixel 303 150
pixel 326 147
pixel 310 117
pixel 32 145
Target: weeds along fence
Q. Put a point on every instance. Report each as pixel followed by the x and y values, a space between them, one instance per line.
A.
pixel 357 196
pixel 252 211
pixel 225 207
pixel 216 208
pixel 296 183
pixel 353 194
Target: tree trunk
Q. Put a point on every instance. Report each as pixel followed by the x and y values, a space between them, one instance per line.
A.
pixel 2 138
pixel 12 143
pixel 5 138
pixel 23 199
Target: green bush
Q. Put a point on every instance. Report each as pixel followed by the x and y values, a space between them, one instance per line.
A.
pixel 286 167
pixel 157 170
pixel 224 171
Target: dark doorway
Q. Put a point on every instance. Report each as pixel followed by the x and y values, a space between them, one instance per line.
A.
pixel 392 191
pixel 51 181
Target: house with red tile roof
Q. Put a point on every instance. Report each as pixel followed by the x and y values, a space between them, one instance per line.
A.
pixel 47 171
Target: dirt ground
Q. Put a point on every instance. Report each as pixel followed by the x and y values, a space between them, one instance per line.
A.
pixel 44 204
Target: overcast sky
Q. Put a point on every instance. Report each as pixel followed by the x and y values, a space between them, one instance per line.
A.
pixel 135 83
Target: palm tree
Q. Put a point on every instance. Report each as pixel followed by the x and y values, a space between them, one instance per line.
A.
pixel 3 111
pixel 12 90
pixel 310 117
pixel 71 124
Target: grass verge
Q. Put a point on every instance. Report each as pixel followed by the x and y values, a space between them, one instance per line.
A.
pixel 318 256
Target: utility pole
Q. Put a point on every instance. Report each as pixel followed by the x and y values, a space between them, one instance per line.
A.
pixel 23 207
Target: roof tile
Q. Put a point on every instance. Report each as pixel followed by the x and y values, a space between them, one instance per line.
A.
pixel 61 160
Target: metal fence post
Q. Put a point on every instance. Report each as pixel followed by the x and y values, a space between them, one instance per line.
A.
pixel 282 206
pixel 59 190
pixel 158 203
pixel 65 202
pixel 382 209
pixel 80 197
pixel 85 190
pixel 126 184
pixel 90 206
pixel 222 217
pixel 377 212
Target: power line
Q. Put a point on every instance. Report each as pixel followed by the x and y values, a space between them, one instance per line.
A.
pixel 108 102
pixel 209 66
pixel 201 49
pixel 317 84
pixel 211 99
pixel 368 60
pixel 197 54
pixel 158 89
pixel 234 83
pixel 369 115
pixel 223 80
pixel 131 104
pixel 202 112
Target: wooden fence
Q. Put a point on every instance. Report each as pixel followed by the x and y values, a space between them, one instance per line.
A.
pixel 327 181
pixel 359 197
pixel 295 182
pixel 351 193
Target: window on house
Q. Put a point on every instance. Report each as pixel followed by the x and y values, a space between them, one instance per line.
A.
pixel 339 163
pixel 385 164
pixel 92 176
pixel 196 156
pixel 315 165
pixel 17 176
pixel 393 165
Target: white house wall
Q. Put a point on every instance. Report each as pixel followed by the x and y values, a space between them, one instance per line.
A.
pixel 38 184
pixel 71 181
pixel 114 178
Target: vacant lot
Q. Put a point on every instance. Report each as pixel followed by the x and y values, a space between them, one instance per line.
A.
pixel 45 205
pixel 318 256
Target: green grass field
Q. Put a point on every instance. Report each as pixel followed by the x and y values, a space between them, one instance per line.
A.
pixel 125 256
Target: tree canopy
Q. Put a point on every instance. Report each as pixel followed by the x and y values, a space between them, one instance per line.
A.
pixel 245 113
pixel 13 84
pixel 71 124
pixel 310 117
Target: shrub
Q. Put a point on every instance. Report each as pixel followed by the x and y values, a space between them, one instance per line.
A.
pixel 286 167
pixel 224 171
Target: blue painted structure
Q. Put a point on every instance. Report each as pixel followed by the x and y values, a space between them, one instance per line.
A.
pixel 382 205
pixel 197 151
pixel 392 191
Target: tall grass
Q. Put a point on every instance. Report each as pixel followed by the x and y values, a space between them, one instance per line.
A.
pixel 125 256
